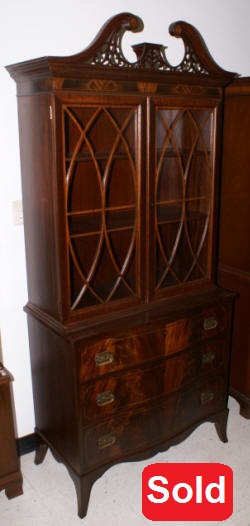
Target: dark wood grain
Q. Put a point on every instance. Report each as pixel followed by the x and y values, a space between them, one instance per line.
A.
pixel 234 268
pixel 11 479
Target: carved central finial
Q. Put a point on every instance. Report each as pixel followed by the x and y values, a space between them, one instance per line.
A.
pixel 150 56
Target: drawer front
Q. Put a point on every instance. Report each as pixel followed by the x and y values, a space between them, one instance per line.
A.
pixel 207 397
pixel 114 354
pixel 188 331
pixel 129 433
pixel 121 391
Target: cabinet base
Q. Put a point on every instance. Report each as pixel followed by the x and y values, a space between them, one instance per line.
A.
pixel 12 484
pixel 83 483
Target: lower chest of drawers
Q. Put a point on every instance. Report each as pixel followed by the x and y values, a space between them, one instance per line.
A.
pixel 145 388
pixel 124 389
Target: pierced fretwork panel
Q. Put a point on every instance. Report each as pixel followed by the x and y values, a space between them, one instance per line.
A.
pixel 183 193
pixel 102 188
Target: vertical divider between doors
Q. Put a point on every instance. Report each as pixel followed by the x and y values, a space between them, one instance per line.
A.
pixel 150 204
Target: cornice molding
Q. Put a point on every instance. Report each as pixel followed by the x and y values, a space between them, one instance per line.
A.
pixel 105 52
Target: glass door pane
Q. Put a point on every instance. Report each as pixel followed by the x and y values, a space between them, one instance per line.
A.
pixel 101 173
pixel 182 195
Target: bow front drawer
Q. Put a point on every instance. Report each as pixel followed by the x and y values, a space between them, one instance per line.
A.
pixel 129 432
pixel 112 393
pixel 208 397
pixel 113 354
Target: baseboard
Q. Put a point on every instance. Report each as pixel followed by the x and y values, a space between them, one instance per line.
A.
pixel 26 444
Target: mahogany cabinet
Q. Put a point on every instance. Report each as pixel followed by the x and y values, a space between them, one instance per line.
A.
pixel 10 474
pixel 234 256
pixel 130 334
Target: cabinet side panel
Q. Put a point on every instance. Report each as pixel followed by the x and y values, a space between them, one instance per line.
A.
pixel 55 395
pixel 240 371
pixel 37 180
pixel 8 452
pixel 235 202
pixel 234 256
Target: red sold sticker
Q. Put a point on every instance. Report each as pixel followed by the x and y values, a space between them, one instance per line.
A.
pixel 187 492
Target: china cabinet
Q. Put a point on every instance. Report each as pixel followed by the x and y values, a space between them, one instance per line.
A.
pixel 234 253
pixel 130 334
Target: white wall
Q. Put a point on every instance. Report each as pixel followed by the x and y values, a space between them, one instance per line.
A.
pixel 31 29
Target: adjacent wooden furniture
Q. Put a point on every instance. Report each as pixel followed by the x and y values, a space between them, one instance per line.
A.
pixel 129 334
pixel 234 268
pixel 10 474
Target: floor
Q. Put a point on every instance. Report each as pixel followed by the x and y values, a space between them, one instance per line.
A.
pixel 49 496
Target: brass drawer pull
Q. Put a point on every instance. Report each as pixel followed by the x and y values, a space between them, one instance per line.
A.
pixel 207 397
pixel 210 323
pixel 106 441
pixel 105 398
pixel 104 358
pixel 208 357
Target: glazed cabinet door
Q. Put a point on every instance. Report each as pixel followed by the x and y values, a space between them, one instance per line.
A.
pixel 101 158
pixel 181 194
